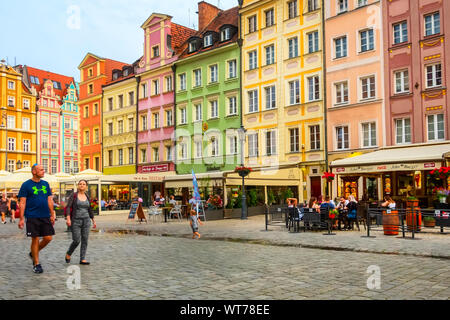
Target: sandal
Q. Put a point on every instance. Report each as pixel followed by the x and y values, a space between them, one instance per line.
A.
pixel 85 263
pixel 67 260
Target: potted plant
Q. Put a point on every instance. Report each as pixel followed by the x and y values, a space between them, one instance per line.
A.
pixel 429 222
pixel 412 201
pixel 441 194
pixel 329 176
pixel 333 214
pixel 243 171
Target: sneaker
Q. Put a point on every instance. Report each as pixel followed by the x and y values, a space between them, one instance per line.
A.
pixel 38 269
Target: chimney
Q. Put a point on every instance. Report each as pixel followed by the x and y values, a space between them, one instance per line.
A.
pixel 206 13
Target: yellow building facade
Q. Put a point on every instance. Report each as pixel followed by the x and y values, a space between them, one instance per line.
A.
pixel 282 95
pixel 119 123
pixel 18 121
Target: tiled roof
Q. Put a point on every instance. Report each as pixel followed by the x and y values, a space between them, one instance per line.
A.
pixel 227 17
pixel 180 34
pixel 42 74
pixel 110 65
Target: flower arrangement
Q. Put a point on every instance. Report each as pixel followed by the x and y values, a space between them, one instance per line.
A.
pixel 215 202
pixel 243 171
pixel 441 173
pixel 441 192
pixel 329 176
pixel 333 213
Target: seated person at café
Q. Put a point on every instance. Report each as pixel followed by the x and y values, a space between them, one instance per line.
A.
pixel 172 201
pixel 292 202
pixel 342 203
pixel 327 204
pixel 388 202
pixel 313 204
pixel 159 201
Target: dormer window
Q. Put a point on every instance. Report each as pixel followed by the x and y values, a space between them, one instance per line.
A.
pixel 192 46
pixel 126 72
pixel 115 76
pixel 155 52
pixel 225 34
pixel 208 40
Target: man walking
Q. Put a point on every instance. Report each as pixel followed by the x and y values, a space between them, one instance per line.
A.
pixel 36 205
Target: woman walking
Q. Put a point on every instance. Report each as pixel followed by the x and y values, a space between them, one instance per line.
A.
pixel 13 208
pixel 4 204
pixel 80 213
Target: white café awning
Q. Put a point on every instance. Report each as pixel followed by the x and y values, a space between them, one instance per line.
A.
pixel 405 158
pixel 185 180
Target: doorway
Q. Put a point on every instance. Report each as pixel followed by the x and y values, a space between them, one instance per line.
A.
pixel 316 187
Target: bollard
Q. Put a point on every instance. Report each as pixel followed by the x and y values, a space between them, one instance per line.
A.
pixel 442 227
pixel 267 217
pixel 403 226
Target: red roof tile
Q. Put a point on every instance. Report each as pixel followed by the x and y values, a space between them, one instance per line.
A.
pixel 110 65
pixel 47 75
pixel 180 34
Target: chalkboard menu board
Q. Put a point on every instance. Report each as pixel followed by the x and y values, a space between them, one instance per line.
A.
pixel 133 210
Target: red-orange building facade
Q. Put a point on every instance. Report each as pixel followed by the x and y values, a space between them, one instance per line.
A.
pixel 94 73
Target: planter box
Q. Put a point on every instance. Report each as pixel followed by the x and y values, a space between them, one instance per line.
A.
pixel 214 214
pixel 256 211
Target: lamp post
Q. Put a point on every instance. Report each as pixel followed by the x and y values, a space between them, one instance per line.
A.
pixel 5 118
pixel 241 132
pixel 19 164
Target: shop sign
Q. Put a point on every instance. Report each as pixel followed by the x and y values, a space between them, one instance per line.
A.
pixel 388 167
pixel 155 168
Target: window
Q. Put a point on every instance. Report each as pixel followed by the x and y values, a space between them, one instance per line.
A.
pixel 130 124
pixel 314 135
pixel 367 40
pixel 95 109
pixel 11 101
pixel 169 153
pixel 86 163
pixel 401 81
pixel 368 88
pixel 341 92
pixel 270 18
pixel 270 97
pixel 342 6
pixel 75 124
pixel 67 145
pixel 313 88
pixel 54 142
pixel 144 90
pixel 120 126
pixel 144 122
pixel 198 112
pixel 270 54
pixel 143 155
pixel 75 144
pixel 169 84
pixel 183 150
pixel 44 121
pixel 213 72
pixel 66 123
pixel 96 136
pixel 110 129
pixel 67 166
pixel 400 32
pixel 44 102
pixel 57 85
pixel 11 122
pixel 11 85
pixel 271 147
pixel 313 41
pixel 208 40
pixel 403 131
pixel 198 77
pixel 34 80
pixel 121 101
pixel 232 106
pixel 86 138
pixel 340 47
pixel 54 166
pixel 183 118
pixel 45 142
pixel 434 75
pixel 225 34
pixel 155 52
pixel 232 69
pixel 182 78
pixel 120 157
pixel 131 98
pixel 233 142
pixel 362 3
pixel 214 109
pixel 91 89
pixel 169 118
pixel 75 166
pixel 155 87
pixel 198 148
pixel 292 9
pixel 252 26
pixel 253 101
pixel 25 123
pixel 436 127
pixel 11 144
pixel 26 146
pixel 12 165
pixel 90 72
pixel 313 5
pixel 86 111
pixel 253 145
pixel 432 24
pixel 26 104
pixel 253 59
pixel 192 46
pixel 342 138
pixel 294 140
pixel 54 122
pixel 155 120
pixel 293 47
pixel 214 147
pixel 369 133
pixel 294 92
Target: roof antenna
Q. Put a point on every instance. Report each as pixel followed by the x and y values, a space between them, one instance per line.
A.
pixel 218 4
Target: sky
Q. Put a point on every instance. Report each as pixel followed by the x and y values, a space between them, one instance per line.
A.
pixel 55 35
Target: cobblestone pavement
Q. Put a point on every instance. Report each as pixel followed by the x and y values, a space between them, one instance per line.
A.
pixel 130 266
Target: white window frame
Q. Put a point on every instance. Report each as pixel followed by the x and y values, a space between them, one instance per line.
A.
pixel 435 26
pixel 345 143
pixel 341 87
pixel 401 81
pixel 313 88
pixel 270 54
pixel 232 106
pixel 403 133
pixel 294 92
pixel 253 150
pixel 340 42
pixel 435 127
pixel 367 87
pixel 399 35
pixel 253 60
pixel 214 109
pixel 270 97
pixel 436 82
pixel 197 77
pixel 371 127
pixel 369 36
pixel 253 103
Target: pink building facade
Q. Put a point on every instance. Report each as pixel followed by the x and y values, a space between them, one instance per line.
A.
pixel 156 116
pixel 354 85
pixel 416 80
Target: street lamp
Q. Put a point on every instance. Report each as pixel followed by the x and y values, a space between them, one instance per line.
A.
pixel 241 132
pixel 19 164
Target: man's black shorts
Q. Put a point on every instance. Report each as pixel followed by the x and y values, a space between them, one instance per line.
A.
pixel 39 227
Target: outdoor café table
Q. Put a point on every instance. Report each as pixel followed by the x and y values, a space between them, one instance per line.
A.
pixel 166 211
pixel 342 218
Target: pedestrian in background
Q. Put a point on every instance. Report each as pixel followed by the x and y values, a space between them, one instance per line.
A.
pixel 12 206
pixel 194 221
pixel 4 204
pixel 79 219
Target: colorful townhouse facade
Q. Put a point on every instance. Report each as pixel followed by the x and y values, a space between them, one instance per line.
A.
pixel 18 121
pixel 119 122
pixel 57 120
pixel 355 87
pixel 282 95
pixel 94 73
pixel 208 115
